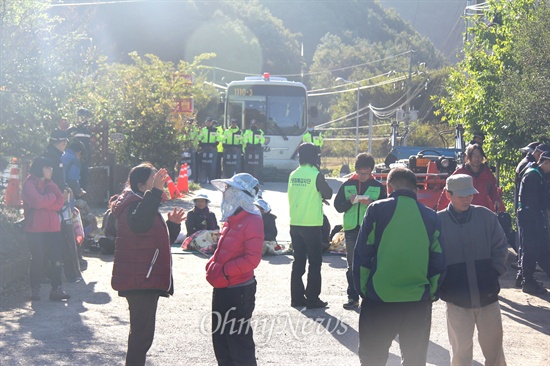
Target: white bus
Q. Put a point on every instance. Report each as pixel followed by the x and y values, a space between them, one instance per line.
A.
pixel 280 109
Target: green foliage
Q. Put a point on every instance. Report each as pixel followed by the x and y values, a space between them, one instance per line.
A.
pixel 501 85
pixel 137 100
pixel 38 52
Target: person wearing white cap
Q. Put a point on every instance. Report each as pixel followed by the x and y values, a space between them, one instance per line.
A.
pixel 475 249
pixel 534 241
pixel 231 271
pixel 200 217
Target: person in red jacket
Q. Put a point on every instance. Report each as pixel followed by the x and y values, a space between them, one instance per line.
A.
pixel 41 201
pixel 142 270
pixel 231 271
pixel 484 181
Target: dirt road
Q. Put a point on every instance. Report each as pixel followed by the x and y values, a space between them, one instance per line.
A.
pixel 92 327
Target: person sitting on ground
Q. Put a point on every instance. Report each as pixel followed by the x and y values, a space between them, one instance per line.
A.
pixel 200 217
pixel 270 229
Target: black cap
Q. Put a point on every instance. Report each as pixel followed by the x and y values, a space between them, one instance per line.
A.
pixel 59 135
pixel 530 147
pixel 543 148
pixel 83 112
pixel 208 119
pixel 544 156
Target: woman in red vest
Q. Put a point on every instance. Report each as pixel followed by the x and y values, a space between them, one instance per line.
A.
pixel 142 270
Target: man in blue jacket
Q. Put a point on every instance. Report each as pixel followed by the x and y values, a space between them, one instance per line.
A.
pixel 398 267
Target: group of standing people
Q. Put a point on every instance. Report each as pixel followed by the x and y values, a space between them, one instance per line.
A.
pixel 402 256
pixel 54 181
pixel 227 152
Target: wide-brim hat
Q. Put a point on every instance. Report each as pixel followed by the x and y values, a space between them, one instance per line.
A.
pixel 201 196
pixel 263 205
pixel 243 181
pixel 461 185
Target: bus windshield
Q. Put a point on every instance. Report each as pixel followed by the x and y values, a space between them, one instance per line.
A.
pixel 278 109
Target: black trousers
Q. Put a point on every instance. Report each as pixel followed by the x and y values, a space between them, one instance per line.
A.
pixel 380 322
pixel 351 238
pixel 143 311
pixel 534 244
pixel 307 246
pixel 232 334
pixel 45 248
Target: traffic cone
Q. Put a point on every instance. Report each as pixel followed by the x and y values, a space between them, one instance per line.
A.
pixel 183 181
pixel 172 189
pixel 12 195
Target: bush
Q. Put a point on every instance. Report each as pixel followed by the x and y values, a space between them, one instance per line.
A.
pixel 13 244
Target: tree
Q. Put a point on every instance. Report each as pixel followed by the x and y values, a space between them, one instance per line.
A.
pixel 499 86
pixel 37 51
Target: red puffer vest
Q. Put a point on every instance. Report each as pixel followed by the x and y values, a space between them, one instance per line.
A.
pixel 134 253
pixel 239 251
pixel 41 200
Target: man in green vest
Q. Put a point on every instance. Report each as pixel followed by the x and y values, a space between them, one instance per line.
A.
pixel 315 137
pixel 253 140
pixel 208 141
pixel 232 149
pixel 352 199
pixel 307 188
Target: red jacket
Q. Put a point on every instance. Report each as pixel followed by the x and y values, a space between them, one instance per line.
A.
pixel 134 252
pixel 485 183
pixel 239 251
pixel 41 201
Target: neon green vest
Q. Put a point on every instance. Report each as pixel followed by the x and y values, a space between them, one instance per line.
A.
pixel 304 200
pixel 354 216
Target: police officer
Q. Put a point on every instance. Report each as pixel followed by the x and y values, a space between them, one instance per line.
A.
pixel 535 247
pixel 315 137
pixel 232 149
pixel 190 146
pixel 307 188
pixel 208 143
pixel 253 139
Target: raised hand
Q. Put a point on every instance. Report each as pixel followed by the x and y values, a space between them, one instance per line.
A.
pixel 177 216
pixel 160 179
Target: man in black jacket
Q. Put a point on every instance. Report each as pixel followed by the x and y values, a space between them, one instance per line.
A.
pixel 54 150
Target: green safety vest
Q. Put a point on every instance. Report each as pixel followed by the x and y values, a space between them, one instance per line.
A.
pixel 251 138
pixel 233 136
pixel 316 138
pixel 304 200
pixel 207 136
pixel 220 138
pixel 354 216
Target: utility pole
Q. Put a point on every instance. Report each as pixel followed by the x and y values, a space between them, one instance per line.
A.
pixel 408 104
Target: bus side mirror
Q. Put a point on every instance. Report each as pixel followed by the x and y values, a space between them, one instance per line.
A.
pixel 221 108
pixel 313 112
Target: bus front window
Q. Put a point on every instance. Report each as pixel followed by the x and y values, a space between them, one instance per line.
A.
pixel 285 115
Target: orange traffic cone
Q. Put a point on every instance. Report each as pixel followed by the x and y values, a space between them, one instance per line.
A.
pixel 12 195
pixel 183 182
pixel 172 189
